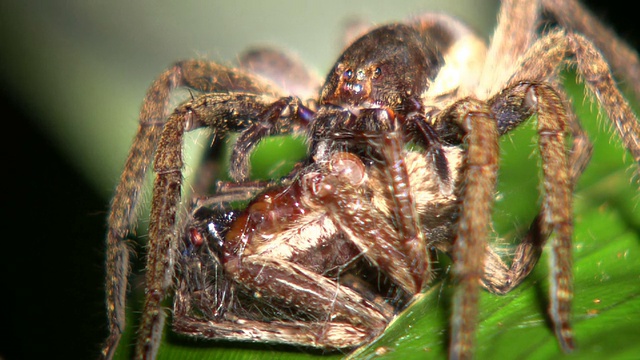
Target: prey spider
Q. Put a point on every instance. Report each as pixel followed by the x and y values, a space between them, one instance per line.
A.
pixel 402 162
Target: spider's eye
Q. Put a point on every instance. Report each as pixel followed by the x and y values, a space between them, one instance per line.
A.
pixel 348 74
pixel 377 72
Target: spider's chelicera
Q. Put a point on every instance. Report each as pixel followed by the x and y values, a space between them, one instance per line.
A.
pixel 402 162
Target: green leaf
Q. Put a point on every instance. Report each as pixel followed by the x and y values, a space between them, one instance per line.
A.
pixel 606 246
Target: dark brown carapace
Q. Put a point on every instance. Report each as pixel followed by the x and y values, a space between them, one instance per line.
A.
pixel 365 77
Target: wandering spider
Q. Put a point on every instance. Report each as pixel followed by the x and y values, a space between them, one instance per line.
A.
pixel 402 162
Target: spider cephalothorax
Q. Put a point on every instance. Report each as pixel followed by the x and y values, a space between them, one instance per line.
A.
pixel 402 162
pixel 364 78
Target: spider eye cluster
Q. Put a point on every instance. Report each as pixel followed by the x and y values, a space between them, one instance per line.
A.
pixel 360 74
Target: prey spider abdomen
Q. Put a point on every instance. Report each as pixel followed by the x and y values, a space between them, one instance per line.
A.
pixel 402 164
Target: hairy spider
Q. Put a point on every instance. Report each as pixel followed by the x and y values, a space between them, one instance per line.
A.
pixel 328 255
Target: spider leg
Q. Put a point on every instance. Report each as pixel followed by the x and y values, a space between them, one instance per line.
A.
pixel 283 69
pixel 268 122
pixel 557 204
pixel 309 292
pixel 542 61
pixel 329 334
pixel 549 53
pixel 622 58
pixel 500 278
pixel 198 75
pixel 556 214
pixel 287 115
pixel 222 112
pixel 515 31
pixel 477 194
pixel 405 215
pixel 593 69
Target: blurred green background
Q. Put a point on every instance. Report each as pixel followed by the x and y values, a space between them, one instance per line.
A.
pixel 72 77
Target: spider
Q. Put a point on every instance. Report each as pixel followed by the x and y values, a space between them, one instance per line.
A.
pixel 328 255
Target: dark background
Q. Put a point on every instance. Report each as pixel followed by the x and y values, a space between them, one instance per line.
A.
pixel 51 261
